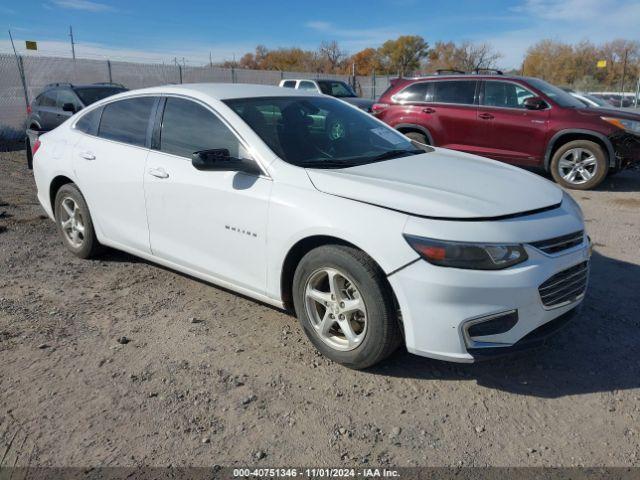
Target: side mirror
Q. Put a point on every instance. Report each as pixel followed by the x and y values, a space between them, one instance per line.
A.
pixel 535 103
pixel 69 107
pixel 219 160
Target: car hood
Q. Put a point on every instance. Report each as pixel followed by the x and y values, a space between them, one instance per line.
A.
pixel 611 112
pixel 441 184
pixel 362 103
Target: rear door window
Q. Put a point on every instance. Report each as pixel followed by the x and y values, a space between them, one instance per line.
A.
pixel 127 120
pixel 462 92
pixel 188 127
pixel 88 123
pixel 289 84
pixel 418 92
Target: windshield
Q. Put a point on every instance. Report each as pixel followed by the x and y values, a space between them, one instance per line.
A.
pixel 336 88
pixel 90 95
pixel 556 94
pixel 320 132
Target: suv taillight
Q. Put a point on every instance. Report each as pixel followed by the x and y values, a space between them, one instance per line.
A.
pixel 28 109
pixel 377 108
pixel 35 146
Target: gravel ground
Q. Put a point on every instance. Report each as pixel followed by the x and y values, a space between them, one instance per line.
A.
pixel 120 362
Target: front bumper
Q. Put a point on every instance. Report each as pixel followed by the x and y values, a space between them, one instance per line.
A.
pixel 437 302
pixel 627 149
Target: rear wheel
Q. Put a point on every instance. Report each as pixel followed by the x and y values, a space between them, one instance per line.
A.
pixel 74 222
pixel 345 307
pixel 417 137
pixel 579 165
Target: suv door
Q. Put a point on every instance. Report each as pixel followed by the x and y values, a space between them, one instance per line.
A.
pixel 47 110
pixel 453 114
pixel 446 108
pixel 511 132
pixel 211 222
pixel 110 169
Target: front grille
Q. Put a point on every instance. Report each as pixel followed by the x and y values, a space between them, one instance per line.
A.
pixel 558 244
pixel 565 286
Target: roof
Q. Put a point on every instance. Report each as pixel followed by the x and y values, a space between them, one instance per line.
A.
pixel 223 91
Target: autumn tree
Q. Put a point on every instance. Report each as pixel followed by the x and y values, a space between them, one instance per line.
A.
pixel 466 56
pixel 332 55
pixel 366 62
pixel 404 54
pixel 576 65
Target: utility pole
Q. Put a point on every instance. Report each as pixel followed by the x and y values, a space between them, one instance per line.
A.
pixel 73 48
pixel 210 61
pixel 20 71
pixel 635 101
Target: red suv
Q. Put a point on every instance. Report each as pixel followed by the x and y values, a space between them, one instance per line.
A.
pixel 519 120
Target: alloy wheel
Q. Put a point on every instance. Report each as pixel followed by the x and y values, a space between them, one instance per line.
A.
pixel 72 222
pixel 577 166
pixel 336 309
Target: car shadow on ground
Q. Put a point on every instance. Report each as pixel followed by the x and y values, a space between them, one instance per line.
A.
pixel 596 352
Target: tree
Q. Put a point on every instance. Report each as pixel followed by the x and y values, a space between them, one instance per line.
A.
pixel 367 61
pixel 403 55
pixel 332 55
pixel 466 57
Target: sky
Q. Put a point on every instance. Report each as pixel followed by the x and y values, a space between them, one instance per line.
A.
pixel 159 30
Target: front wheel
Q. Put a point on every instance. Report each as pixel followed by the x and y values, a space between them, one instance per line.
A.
pixel 345 307
pixel 579 165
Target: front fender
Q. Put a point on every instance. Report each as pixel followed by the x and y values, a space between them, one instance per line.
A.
pixel 297 213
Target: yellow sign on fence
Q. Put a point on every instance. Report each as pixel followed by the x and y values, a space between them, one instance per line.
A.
pixel 602 64
pixel 31 45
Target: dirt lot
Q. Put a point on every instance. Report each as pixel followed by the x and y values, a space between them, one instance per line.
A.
pixel 209 377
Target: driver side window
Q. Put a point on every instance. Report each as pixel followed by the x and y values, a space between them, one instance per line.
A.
pixel 188 127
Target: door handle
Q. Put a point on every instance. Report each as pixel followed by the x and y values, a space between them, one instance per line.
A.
pixel 87 155
pixel 429 110
pixel 158 172
pixel 485 116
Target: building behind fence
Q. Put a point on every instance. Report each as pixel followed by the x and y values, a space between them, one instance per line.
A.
pixel 40 71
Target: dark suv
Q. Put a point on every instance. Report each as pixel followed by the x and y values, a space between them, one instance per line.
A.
pixel 59 101
pixel 519 120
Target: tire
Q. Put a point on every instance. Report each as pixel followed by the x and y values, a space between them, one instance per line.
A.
pixel 86 244
pixel 375 328
pixel 417 137
pixel 572 156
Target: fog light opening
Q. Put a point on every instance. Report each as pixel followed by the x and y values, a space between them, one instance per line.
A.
pixel 491 325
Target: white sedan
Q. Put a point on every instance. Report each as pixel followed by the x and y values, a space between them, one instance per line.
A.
pixel 306 203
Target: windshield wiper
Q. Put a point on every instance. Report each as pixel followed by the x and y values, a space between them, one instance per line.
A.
pixel 327 164
pixel 388 155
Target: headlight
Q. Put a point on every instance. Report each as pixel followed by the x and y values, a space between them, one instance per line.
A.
pixel 632 126
pixel 475 256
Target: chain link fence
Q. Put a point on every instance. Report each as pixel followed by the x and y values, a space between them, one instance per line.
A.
pixel 40 71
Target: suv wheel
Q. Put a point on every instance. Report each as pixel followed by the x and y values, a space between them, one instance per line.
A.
pixel 580 165
pixel 74 222
pixel 417 137
pixel 345 307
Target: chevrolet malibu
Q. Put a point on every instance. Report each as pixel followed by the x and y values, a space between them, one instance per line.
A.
pixel 307 203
